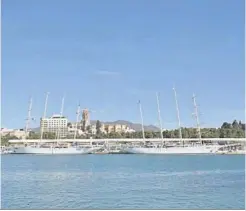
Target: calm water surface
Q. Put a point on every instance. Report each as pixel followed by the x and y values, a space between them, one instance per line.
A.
pixel 123 182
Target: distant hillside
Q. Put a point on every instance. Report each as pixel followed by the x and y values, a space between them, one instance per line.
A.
pixel 134 126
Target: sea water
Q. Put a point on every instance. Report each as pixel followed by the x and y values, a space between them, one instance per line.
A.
pixel 123 182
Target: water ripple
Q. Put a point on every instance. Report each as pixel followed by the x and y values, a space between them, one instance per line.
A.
pixel 123 182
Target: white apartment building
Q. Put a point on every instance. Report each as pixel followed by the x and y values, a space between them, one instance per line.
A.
pixel 118 128
pixel 55 124
pixel 72 128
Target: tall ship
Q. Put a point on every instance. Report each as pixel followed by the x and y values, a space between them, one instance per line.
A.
pixel 187 149
pixel 51 150
pixel 57 147
pixel 183 148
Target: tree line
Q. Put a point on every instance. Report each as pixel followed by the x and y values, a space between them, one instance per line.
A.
pixel 227 130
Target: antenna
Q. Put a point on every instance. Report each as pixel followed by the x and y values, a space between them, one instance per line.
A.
pixel 141 114
pixel 159 115
pixel 178 116
pixel 197 117
pixel 77 120
pixel 28 116
pixel 45 110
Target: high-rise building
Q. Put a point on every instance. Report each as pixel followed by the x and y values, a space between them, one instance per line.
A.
pixel 56 124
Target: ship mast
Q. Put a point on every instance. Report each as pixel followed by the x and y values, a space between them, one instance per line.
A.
pixel 197 118
pixel 178 116
pixel 28 117
pixel 159 116
pixel 44 116
pixel 62 105
pixel 141 114
pixel 61 114
pixel 77 120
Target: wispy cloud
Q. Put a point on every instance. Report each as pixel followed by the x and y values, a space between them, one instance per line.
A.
pixel 107 73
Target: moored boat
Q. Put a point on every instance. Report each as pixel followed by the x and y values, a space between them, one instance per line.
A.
pixel 53 150
pixel 203 149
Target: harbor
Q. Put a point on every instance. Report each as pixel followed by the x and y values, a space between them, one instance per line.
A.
pixel 144 145
pixel 123 105
pixel 58 124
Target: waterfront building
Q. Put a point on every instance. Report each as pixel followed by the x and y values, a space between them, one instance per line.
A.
pixel 117 128
pixel 72 131
pixel 72 125
pixel 93 129
pixel 19 133
pixel 109 128
pixel 102 129
pixel 56 124
pixel 129 130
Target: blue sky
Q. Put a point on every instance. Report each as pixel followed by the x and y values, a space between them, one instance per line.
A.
pixel 109 54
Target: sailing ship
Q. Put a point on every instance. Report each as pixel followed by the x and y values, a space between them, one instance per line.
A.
pixel 188 148
pixel 55 148
pixel 43 149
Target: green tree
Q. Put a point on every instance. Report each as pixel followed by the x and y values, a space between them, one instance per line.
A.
pixel 49 135
pixel 149 134
pixel 185 133
pixel 98 127
pixel 5 139
pixel 83 126
pixel 240 134
pixel 33 135
pixel 112 135
pixel 88 129
pixel 235 124
pixel 222 133
pixel 166 134
pixel 226 125
pixel 227 130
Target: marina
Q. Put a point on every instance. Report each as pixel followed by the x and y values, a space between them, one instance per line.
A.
pixel 123 105
pixel 215 145
pixel 180 145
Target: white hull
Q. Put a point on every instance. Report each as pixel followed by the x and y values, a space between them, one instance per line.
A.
pixel 52 150
pixel 173 150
